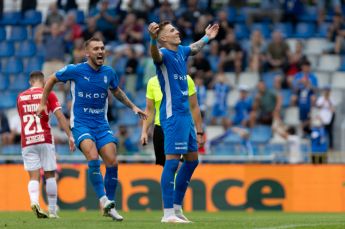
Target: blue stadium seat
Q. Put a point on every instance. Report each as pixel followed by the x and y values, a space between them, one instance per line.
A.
pixel 260 134
pixel 19 82
pixel 8 100
pixel 11 149
pixel 32 17
pixel 284 28
pixel 2 33
pixel 231 11
pixel 26 49
pixel 18 33
pixel 6 49
pixel 323 30
pixel 286 97
pixel 127 118
pixel 241 31
pixel 13 66
pixel 304 30
pixel 269 78
pixel 263 28
pixel 309 15
pixel 10 18
pixel 33 64
pixel 80 17
pixel 4 82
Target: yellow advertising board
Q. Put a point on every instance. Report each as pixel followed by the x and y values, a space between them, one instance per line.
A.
pixel 291 188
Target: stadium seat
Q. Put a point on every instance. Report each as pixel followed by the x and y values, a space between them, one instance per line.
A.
pixel 316 46
pixel 2 33
pixel 309 15
pixel 9 102
pixel 26 49
pixel 250 79
pixel 11 149
pixel 338 80
pixel 337 96
pixel 33 64
pixel 4 82
pixel 10 18
pixel 233 96
pixel 323 79
pixel 128 118
pixel 241 31
pixel 284 28
pixel 323 30
pixel 209 98
pixel 18 33
pixel 286 97
pixel 291 116
pixel 19 82
pixel 263 28
pixel 80 17
pixel 32 17
pixel 329 63
pixel 6 49
pixel 260 134
pixel 269 78
pixel 304 30
pixel 230 78
pixel 342 64
pixel 13 66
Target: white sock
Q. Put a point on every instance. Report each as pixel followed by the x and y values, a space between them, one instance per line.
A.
pixel 51 189
pixel 178 208
pixel 103 200
pixel 169 212
pixel 33 188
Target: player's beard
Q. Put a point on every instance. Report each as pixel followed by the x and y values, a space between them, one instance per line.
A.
pixel 97 61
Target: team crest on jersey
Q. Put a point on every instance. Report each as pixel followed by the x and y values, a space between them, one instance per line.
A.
pixel 105 79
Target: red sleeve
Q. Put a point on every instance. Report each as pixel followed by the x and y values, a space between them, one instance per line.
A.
pixel 53 103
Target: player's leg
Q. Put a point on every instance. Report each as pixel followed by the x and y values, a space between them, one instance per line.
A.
pixel 48 160
pixel 32 164
pixel 185 173
pixel 107 150
pixel 158 145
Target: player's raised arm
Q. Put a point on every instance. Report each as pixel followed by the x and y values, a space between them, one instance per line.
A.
pixel 155 53
pixel 122 97
pixel 210 33
pixel 52 80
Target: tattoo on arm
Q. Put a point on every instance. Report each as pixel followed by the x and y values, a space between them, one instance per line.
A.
pixel 122 97
pixel 197 46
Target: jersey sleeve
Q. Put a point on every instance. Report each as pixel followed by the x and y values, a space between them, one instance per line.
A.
pixel 149 90
pixel 191 86
pixel 186 51
pixel 114 80
pixel 66 73
pixel 53 103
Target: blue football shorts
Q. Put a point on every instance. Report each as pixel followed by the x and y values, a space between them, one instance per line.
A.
pixel 179 135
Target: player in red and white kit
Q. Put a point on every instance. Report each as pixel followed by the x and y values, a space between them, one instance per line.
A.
pixel 37 142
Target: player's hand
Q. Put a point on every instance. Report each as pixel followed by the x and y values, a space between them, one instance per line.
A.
pixel 200 140
pixel 143 138
pixel 138 111
pixel 71 143
pixel 212 31
pixel 153 30
pixel 40 110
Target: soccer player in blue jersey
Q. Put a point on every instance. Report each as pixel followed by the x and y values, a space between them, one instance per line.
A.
pixel 90 82
pixel 176 120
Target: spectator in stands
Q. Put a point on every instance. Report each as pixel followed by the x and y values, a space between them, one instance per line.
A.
pixel 327 113
pixel 90 30
pixel 131 70
pixel 15 127
pixel 220 107
pixel 336 28
pixel 201 94
pixel 242 108
pixel 319 146
pixel 277 52
pixel 256 52
pixel 54 45
pixel 53 15
pixel 199 29
pixel 72 31
pixel 165 12
pixel 296 59
pixel 78 53
pixel 131 31
pixel 125 145
pixel 231 55
pixel 266 106
pixel 291 10
pixel 28 5
pixel 267 9
pixel 224 26
pixel 325 6
pixel 304 98
pixel 141 8
pixel 213 56
pixel 67 5
pixel 200 66
pixel 305 75
pixel 106 19
pixel 5 131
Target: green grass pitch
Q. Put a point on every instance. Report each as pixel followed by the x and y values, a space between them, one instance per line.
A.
pixel 151 220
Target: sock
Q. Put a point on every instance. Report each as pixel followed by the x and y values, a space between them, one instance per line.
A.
pixel 96 178
pixel 178 207
pixel 183 179
pixel 33 188
pixel 167 182
pixel 51 189
pixel 110 182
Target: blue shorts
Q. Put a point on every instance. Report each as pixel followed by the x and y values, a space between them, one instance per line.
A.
pixel 179 135
pixel 304 114
pixel 219 112
pixel 101 135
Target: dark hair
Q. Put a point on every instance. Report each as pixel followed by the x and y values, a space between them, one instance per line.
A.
pixel 36 75
pixel 305 62
pixel 162 25
pixel 86 43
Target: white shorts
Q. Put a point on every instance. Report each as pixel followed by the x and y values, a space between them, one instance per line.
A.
pixel 39 156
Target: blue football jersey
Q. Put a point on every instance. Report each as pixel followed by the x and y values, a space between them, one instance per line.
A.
pixel 172 76
pixel 89 91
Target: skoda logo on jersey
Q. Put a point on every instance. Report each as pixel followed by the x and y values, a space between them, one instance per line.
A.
pixel 105 79
pixel 178 77
pixel 92 95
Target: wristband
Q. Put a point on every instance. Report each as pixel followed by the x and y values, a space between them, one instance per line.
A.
pixel 205 39
pixel 200 133
pixel 153 42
